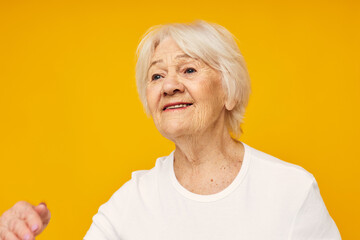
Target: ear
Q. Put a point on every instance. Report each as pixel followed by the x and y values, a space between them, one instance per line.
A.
pixel 230 104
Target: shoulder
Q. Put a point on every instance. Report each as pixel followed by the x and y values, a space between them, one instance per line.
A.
pixel 142 183
pixel 270 170
pixel 147 178
pixel 293 190
pixel 125 204
pixel 273 165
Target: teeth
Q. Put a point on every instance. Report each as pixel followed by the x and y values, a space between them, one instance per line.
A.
pixel 177 106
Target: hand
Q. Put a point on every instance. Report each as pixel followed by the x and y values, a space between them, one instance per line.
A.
pixel 24 221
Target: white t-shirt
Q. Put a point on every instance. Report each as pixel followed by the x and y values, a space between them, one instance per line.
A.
pixel 268 199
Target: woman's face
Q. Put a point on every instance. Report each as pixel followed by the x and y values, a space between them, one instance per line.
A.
pixel 184 95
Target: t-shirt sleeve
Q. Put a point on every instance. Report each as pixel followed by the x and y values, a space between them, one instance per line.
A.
pixel 107 222
pixel 313 220
pixel 101 227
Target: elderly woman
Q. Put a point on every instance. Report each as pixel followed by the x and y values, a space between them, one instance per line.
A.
pixel 193 81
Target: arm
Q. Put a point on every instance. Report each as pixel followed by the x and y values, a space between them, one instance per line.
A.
pixel 108 222
pixel 102 225
pixel 312 220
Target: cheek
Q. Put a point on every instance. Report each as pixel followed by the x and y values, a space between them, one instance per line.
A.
pixel 213 94
pixel 218 94
pixel 152 97
pixel 202 117
pixel 213 102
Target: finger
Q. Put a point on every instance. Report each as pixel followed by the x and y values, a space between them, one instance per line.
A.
pixel 5 234
pixel 34 223
pixel 44 214
pixel 27 213
pixel 22 209
pixel 14 218
pixel 19 228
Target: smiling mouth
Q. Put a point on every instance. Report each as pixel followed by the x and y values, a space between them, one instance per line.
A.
pixel 177 106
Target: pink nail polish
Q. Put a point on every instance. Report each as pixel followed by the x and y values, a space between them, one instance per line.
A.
pixel 26 237
pixel 34 227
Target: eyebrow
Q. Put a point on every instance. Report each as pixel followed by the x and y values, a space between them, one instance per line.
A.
pixel 182 56
pixel 177 57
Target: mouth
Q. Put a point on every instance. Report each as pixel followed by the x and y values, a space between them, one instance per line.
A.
pixel 173 106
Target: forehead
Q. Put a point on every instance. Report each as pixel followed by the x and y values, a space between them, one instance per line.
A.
pixel 168 43
pixel 166 47
pixel 166 50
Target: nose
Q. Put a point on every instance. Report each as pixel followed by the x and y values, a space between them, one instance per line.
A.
pixel 172 85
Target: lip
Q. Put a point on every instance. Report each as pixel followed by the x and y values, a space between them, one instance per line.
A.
pixel 165 107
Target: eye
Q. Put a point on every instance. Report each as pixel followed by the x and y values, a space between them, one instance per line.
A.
pixel 190 70
pixel 155 77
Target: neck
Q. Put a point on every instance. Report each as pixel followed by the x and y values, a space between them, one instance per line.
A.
pixel 207 163
pixel 196 150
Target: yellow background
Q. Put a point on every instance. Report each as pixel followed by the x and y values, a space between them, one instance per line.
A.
pixel 72 128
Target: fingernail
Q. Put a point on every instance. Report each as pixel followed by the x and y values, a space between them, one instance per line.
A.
pixel 27 237
pixel 34 227
pixel 43 204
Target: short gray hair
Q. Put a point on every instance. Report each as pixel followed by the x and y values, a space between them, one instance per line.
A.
pixel 215 46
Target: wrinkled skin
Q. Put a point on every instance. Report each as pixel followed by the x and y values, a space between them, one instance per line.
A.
pixel 175 77
pixel 24 221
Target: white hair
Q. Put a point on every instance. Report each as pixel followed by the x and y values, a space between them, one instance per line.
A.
pixel 215 46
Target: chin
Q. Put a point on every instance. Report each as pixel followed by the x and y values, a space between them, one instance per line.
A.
pixel 174 131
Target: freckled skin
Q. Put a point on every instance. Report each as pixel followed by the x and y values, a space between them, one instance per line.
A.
pixel 206 157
